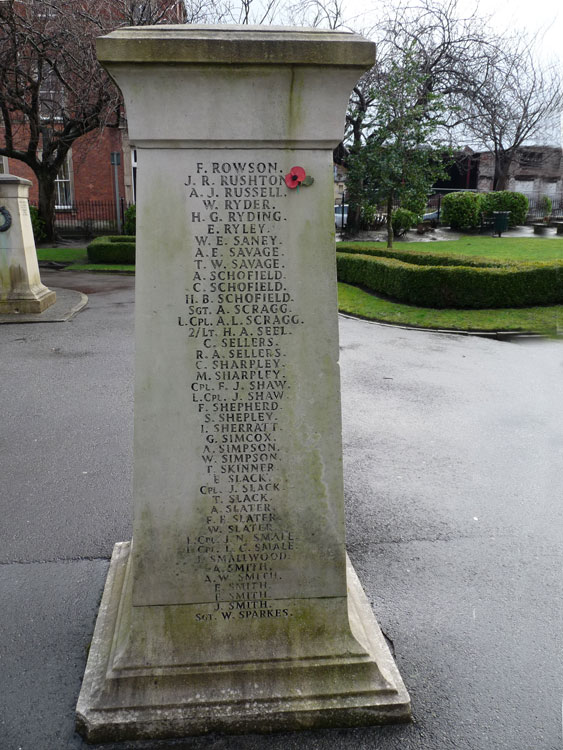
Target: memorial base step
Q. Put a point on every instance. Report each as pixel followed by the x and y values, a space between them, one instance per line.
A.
pixel 358 687
pixel 30 303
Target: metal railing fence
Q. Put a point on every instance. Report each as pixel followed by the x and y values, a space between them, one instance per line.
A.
pixel 90 218
pixel 537 209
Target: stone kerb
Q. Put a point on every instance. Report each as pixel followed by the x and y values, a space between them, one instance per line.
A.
pixel 233 607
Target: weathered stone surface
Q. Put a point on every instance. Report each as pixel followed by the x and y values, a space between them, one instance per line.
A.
pixel 233 609
pixel 21 290
pixel 243 348
pixel 232 86
pixel 357 684
pixel 229 45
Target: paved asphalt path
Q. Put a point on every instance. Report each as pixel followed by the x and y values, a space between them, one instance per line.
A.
pixel 453 462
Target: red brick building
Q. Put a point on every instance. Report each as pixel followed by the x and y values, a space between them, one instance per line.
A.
pixel 86 185
pixel 44 97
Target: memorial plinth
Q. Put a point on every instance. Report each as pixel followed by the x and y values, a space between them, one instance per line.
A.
pixel 233 607
pixel 21 290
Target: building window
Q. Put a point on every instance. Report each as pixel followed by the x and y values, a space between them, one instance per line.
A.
pixel 134 170
pixel 46 10
pixel 531 158
pixel 51 96
pixel 4 165
pixel 63 185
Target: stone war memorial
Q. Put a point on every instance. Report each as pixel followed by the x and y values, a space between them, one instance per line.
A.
pixel 21 290
pixel 234 608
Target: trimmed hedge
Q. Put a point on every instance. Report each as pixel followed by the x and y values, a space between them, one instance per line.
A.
pixel 504 200
pixel 112 250
pixel 130 224
pixel 513 285
pixel 464 210
pixel 422 257
pixel 461 210
pixel 37 224
pixel 402 220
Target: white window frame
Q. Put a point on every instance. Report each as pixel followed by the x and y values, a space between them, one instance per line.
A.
pixel 64 185
pixel 51 97
pixel 134 173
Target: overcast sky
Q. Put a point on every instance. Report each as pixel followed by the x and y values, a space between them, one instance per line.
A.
pixel 544 17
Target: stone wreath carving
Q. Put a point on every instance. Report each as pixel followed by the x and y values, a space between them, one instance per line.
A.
pixel 6 215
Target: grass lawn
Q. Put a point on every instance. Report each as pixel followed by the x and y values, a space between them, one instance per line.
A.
pixel 502 248
pixel 63 254
pixel 365 304
pixel 77 258
pixel 103 268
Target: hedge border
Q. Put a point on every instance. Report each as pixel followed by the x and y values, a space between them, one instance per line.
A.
pixel 454 286
pixel 424 258
pixel 112 250
pixel 465 209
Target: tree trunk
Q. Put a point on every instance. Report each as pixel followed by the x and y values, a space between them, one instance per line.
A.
pixel 390 220
pixel 353 221
pixel 47 204
pixel 502 167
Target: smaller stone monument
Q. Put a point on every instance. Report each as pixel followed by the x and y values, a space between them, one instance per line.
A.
pixel 21 290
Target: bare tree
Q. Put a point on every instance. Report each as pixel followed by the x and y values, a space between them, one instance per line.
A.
pixel 138 12
pixel 328 14
pixel 243 12
pixel 451 49
pixel 516 101
pixel 496 94
pixel 52 89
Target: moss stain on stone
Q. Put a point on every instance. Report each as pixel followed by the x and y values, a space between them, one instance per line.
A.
pixel 295 104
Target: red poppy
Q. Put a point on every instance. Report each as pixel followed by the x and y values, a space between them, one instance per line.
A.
pixel 295 177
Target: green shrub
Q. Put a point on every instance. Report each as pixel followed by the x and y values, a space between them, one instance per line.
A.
pixel 511 285
pixel 370 216
pixel 422 257
pixel 504 200
pixel 415 203
pixel 37 224
pixel 117 250
pixel 130 223
pixel 546 205
pixel 461 210
pixel 402 220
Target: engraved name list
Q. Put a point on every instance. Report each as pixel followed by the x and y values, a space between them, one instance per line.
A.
pixel 238 315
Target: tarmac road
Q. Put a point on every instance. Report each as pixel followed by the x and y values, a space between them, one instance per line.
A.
pixel 453 462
